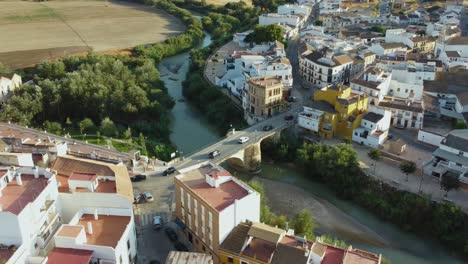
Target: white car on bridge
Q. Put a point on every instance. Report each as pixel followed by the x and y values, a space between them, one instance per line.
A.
pixel 242 140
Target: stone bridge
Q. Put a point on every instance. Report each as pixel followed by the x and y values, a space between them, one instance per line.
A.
pixel 245 156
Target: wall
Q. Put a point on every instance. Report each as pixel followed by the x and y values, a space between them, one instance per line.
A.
pixel 430 138
pixel 71 203
pixel 12 234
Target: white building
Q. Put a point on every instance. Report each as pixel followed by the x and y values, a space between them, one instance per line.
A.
pixel 107 235
pixel 452 59
pixel 28 212
pixel 310 118
pixel 408 79
pixel 296 21
pixel 375 82
pixel 459 44
pixel 325 68
pixel 294 9
pixel 405 113
pixel 8 85
pixel 388 49
pixel 374 128
pixel 451 157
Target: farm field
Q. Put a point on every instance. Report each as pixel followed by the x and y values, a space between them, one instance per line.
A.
pixel 35 31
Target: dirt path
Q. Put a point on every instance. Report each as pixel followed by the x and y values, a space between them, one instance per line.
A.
pixel 288 199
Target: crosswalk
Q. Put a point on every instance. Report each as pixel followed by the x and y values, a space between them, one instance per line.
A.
pixel 144 220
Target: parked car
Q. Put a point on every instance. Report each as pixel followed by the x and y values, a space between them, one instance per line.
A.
pixel 148 197
pixel 242 140
pixel 138 199
pixel 180 246
pixel 292 99
pixel 213 154
pixel 390 136
pixel 288 117
pixel 169 171
pixel 157 222
pixel 138 178
pixel 171 234
pixel 267 128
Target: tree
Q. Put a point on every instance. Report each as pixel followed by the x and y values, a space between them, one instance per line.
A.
pixel 53 127
pixel 85 125
pixel 268 33
pixel 303 224
pixel 378 29
pixel 449 182
pixel 375 155
pixel 265 5
pixel 407 167
pixel 4 69
pixel 128 134
pixel 318 22
pixel 142 143
pixel 108 127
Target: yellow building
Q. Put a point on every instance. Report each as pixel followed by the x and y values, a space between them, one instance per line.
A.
pixel 341 110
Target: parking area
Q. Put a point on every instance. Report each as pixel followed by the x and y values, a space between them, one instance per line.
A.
pixel 154 245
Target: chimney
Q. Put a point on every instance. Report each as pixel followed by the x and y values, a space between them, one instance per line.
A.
pixel 90 228
pixel 19 181
pixel 96 216
pixel 36 172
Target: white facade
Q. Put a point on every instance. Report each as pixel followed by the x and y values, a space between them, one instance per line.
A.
pixel 293 9
pixel 408 79
pixel 390 50
pixel 309 119
pixel 455 44
pixel 324 70
pixel 126 245
pixel 373 132
pixel 9 85
pixel 31 222
pixel 273 18
pixel 375 82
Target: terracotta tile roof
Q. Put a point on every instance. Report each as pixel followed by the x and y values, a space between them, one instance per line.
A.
pixel 392 45
pixel 69 231
pixel 76 176
pixel 235 240
pixel 67 165
pixel 266 232
pixel 286 254
pixel 452 54
pixel 458 41
pixel 342 59
pixel 259 249
pixel 222 196
pixel 356 256
pixel 69 256
pixel 15 197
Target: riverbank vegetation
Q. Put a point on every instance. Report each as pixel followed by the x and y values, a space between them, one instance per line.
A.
pixel 338 168
pixel 262 34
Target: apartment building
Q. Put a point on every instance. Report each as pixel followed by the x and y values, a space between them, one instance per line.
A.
pixel 92 183
pixel 293 9
pixel 408 79
pixel 258 243
pixel 335 111
pixel 323 68
pixel 375 82
pixel 405 112
pixel 420 44
pixel 105 235
pixel 459 44
pixel 210 202
pixel 265 96
pixel 28 212
pixel 8 85
pixel 295 21
pixel 388 49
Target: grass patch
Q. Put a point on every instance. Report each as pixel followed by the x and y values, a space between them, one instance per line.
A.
pixel 43 13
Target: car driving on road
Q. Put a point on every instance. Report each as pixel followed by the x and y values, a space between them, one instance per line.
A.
pixel 148 197
pixel 267 128
pixel 138 178
pixel 213 154
pixel 242 140
pixel 169 171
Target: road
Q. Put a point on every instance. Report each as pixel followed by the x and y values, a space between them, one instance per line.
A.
pixel 229 145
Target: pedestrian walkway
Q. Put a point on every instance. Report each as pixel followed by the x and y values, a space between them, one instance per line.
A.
pixel 389 171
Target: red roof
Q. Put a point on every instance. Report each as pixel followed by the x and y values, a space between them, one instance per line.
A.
pixel 333 255
pixel 76 176
pixel 221 197
pixel 69 256
pixel 215 174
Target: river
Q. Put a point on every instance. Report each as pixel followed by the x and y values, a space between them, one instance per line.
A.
pixel 190 132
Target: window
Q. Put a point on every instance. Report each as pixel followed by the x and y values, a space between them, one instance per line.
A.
pixel 398 89
pixel 243 262
pixel 460 153
pixel 128 244
pixel 406 90
pixel 230 260
pixel 182 196
pixel 203 248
